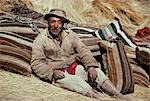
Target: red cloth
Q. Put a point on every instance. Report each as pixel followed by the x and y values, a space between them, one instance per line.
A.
pixel 71 69
pixel 141 33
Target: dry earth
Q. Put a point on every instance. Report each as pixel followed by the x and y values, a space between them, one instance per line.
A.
pixel 14 87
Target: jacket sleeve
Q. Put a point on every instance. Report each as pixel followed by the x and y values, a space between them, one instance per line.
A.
pixel 84 54
pixel 39 62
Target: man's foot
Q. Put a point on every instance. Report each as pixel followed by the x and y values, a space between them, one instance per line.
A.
pixel 122 97
pixel 110 88
pixel 94 94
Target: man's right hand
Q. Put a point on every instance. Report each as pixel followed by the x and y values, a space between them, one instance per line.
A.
pixel 58 74
pixel 92 74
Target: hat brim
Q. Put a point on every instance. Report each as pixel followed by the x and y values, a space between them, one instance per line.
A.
pixel 47 16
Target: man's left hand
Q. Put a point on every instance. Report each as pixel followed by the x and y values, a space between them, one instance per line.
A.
pixel 92 74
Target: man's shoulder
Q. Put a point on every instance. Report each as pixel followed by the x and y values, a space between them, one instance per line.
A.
pixel 70 32
pixel 41 35
pixel 44 32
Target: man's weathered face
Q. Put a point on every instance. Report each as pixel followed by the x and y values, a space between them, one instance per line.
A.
pixel 55 25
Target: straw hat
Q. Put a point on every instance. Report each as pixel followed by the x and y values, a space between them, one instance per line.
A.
pixel 57 13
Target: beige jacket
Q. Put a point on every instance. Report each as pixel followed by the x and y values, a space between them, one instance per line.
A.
pixel 47 54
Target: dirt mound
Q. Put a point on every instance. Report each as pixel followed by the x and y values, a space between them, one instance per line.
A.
pixel 19 88
pixel 20 8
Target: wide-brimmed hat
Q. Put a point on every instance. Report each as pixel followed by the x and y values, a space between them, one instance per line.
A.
pixel 57 13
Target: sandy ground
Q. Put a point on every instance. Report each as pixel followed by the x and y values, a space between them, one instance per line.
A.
pixel 14 87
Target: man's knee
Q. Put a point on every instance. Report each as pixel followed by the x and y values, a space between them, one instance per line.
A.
pixel 101 77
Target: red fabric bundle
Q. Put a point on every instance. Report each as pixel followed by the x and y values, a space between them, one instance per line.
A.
pixel 141 33
pixel 71 69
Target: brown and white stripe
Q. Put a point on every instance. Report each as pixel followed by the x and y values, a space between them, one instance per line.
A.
pixel 118 67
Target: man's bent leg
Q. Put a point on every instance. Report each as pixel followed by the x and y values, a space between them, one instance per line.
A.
pixel 77 84
pixel 107 85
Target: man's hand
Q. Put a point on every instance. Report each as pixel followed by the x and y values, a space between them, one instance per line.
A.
pixel 92 74
pixel 58 74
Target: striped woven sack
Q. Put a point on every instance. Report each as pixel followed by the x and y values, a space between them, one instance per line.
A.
pixel 15 53
pixel 140 76
pixel 15 60
pixel 114 30
pixel 143 58
pixel 116 65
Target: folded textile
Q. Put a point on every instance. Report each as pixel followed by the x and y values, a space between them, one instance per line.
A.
pixel 114 30
pixel 117 66
pixel 144 32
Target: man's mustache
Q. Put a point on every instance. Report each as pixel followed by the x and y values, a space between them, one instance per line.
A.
pixel 57 28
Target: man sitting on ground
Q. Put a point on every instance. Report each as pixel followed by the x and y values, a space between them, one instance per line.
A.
pixel 56 53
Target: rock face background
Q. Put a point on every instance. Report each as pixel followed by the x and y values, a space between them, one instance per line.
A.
pixel 133 14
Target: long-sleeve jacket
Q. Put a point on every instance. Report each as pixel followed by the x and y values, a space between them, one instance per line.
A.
pixel 48 54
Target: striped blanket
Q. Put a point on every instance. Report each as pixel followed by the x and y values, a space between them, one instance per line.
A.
pixel 114 30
